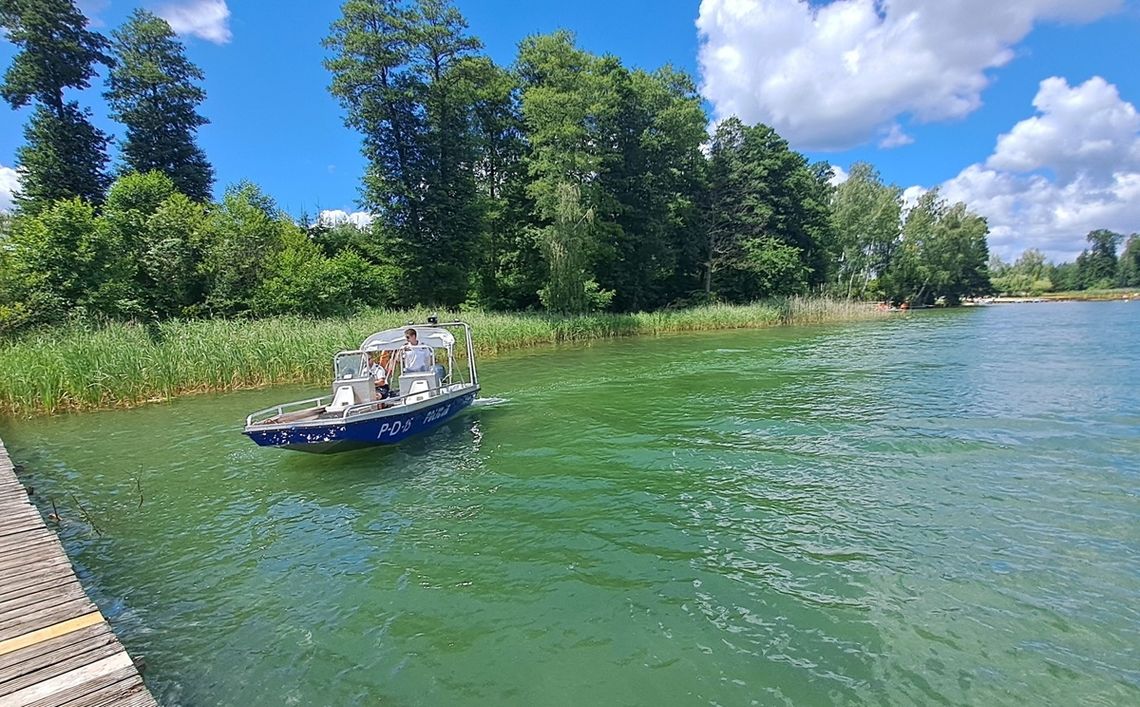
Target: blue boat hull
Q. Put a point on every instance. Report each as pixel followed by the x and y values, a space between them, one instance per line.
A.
pixel 388 427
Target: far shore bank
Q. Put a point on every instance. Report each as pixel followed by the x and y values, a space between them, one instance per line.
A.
pixel 125 365
pixel 1126 295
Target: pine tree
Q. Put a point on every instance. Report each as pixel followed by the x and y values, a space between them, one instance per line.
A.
pixel 398 70
pixel 63 157
pixel 65 154
pixel 152 91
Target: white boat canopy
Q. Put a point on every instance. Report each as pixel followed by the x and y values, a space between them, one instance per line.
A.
pixel 435 337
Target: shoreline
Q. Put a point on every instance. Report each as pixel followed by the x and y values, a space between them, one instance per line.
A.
pixel 1102 296
pixel 128 365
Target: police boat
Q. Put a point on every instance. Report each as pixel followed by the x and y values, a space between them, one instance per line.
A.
pixel 363 408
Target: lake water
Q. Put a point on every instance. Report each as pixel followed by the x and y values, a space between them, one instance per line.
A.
pixel 943 508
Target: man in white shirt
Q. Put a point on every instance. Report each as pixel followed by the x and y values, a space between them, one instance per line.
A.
pixel 417 357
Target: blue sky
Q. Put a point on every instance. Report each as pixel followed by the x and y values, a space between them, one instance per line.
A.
pixel 921 90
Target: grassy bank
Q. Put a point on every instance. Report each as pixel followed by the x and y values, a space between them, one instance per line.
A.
pixel 125 365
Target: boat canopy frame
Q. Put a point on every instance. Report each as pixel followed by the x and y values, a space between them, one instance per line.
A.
pixel 435 335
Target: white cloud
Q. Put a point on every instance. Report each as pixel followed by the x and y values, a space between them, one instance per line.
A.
pixel 1071 169
pixel 910 197
pixel 837 75
pixel 206 19
pixel 1080 129
pixel 838 176
pixel 335 217
pixel 895 137
pixel 9 184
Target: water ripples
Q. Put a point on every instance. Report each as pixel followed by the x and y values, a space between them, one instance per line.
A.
pixel 939 509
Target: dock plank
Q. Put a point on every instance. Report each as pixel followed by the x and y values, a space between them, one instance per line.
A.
pixel 46 615
pixel 55 664
pixel 121 687
pixel 40 596
pixel 36 580
pixel 16 661
pixel 56 648
pixel 69 680
pixel 46 565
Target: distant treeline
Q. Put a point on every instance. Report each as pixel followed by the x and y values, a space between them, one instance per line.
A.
pixel 566 182
pixel 1098 267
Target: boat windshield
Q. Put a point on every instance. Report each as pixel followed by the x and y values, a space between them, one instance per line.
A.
pixel 349 365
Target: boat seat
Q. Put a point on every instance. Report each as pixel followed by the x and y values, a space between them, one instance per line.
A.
pixel 351 391
pixel 342 399
pixel 418 391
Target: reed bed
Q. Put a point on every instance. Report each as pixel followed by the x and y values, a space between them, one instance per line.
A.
pixel 121 365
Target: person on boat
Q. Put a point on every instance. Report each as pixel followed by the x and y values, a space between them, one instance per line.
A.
pixel 379 372
pixel 417 357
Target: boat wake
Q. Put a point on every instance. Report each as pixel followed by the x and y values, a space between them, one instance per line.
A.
pixel 488 402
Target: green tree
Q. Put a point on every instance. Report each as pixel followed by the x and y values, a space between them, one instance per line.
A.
pixel 332 238
pixel 1028 275
pixel 241 239
pixel 153 91
pixel 511 269
pixel 651 127
pixel 372 43
pixel 159 231
pixel 453 211
pixel 560 96
pixel 725 207
pixel 867 217
pixel 565 245
pixel 1130 263
pixel 675 179
pixel 64 154
pixel 1032 270
pixel 302 280
pixel 62 157
pixel 1000 272
pixel 943 254
pixel 397 72
pixel 60 263
pixel 1096 266
pixel 172 259
pixel 764 199
pixel 1065 277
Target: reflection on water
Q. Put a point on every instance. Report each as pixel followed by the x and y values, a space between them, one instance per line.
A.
pixel 936 509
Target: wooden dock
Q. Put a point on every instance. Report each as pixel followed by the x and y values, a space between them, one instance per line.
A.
pixel 55 646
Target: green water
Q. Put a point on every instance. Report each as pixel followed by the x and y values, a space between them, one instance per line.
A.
pixel 938 509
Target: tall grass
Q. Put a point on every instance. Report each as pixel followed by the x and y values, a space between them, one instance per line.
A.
pixel 79 368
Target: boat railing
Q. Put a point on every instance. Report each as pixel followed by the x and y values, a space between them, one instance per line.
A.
pixel 370 406
pixel 373 405
pixel 270 413
pixel 278 410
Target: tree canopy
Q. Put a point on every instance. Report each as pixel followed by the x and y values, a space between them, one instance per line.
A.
pixel 564 181
pixel 63 155
pixel 152 90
